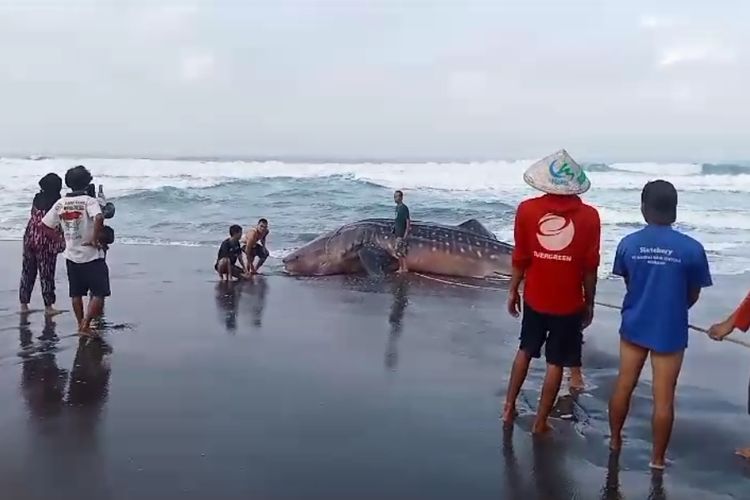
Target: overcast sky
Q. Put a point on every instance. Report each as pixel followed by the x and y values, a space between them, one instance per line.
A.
pixel 606 79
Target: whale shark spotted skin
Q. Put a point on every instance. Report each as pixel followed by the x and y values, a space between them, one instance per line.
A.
pixel 467 250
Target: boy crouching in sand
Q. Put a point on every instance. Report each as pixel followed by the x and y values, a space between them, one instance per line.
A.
pixel 229 253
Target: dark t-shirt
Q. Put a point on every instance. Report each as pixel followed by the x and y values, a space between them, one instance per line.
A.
pixel 229 249
pixel 402 215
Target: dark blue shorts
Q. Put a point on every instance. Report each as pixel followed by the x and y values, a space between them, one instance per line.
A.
pixel 88 277
pixel 561 335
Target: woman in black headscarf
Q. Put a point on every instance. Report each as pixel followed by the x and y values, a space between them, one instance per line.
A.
pixel 41 246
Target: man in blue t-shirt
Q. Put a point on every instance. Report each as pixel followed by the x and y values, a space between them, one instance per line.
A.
pixel 664 271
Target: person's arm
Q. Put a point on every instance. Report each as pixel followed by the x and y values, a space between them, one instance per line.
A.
pixel 521 258
pixel 241 258
pixel 95 212
pixel 408 221
pixel 51 219
pixel 591 267
pixel 699 276
pixel 620 266
pixel 98 226
pixel 252 239
pixel 738 320
pixel 741 316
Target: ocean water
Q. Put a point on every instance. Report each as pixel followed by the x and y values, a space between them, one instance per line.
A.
pixel 192 203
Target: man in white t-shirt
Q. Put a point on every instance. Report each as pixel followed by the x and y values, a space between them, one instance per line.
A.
pixel 82 221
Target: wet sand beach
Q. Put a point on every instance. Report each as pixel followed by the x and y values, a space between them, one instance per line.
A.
pixel 335 388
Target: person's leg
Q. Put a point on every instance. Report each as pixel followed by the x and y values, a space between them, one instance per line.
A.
pixel 666 371
pixel 262 256
pixel 236 272
pixel 563 349
pixel 78 290
pixel 94 310
pixel 97 274
pixel 28 277
pixel 222 267
pixel 632 358
pixel 552 382
pixel 47 266
pixel 517 377
pixel 401 249
pixel 533 335
pixel 77 303
pixel 576 379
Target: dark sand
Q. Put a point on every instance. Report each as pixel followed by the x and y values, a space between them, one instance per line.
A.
pixel 332 389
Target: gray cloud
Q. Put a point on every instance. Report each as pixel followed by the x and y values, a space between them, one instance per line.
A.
pixel 430 78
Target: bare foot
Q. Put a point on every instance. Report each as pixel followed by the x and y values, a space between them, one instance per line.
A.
pixel 743 452
pixel 509 414
pixel 615 443
pixel 657 465
pixel 576 382
pixel 541 428
pixel 24 308
pixel 51 311
pixel 84 329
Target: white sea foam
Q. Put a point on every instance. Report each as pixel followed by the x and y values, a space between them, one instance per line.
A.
pixel 710 204
pixel 123 176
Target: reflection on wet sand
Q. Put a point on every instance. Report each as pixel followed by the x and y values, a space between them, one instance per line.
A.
pixel 228 297
pixel 65 408
pixel 44 384
pixel 549 474
pixel 256 288
pixel 611 490
pixel 89 379
pixel 400 291
pixel 42 381
pixel 512 470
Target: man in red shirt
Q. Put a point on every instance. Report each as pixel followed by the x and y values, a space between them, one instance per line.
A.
pixel 738 320
pixel 557 255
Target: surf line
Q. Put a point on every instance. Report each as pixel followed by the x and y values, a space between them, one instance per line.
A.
pixel 603 304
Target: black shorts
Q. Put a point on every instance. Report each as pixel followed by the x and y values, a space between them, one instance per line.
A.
pixel 562 336
pixel 258 251
pixel 88 277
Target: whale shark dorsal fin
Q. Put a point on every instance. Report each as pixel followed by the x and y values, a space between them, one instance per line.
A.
pixel 476 227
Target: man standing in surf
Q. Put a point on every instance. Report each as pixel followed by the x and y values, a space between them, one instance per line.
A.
pixel 401 228
pixel 557 255
pixel 664 272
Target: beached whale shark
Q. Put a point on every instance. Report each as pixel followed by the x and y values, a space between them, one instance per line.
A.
pixel 467 250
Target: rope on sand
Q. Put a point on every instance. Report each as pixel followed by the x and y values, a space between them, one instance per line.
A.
pixel 603 304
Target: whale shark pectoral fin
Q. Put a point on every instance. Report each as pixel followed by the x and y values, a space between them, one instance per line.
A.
pixel 476 227
pixel 374 260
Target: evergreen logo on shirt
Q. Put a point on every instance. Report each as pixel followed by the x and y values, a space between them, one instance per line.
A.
pixel 555 233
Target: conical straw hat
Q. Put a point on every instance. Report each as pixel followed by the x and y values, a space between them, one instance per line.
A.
pixel 557 173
